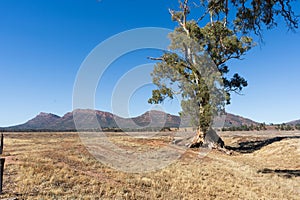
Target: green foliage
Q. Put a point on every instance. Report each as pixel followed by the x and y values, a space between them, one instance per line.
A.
pixel 285 127
pixel 196 66
pixel 253 15
pixel 244 127
pixel 297 126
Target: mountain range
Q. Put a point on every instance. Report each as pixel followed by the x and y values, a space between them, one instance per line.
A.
pixel 87 119
pixel 294 122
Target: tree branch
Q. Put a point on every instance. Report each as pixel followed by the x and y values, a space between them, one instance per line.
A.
pixel 153 58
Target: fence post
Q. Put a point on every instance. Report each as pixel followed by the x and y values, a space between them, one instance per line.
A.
pixel 2 160
pixel 1 144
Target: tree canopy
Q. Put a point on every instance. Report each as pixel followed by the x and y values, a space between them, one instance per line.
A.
pixel 196 67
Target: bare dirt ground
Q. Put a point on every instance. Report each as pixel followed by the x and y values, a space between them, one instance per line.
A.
pixel 264 165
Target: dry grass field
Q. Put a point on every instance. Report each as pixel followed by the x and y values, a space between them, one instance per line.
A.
pixel 264 165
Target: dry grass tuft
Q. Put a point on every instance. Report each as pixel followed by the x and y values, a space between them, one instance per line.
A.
pixel 57 166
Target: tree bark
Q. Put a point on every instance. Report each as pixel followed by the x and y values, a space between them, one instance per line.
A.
pixel 207 139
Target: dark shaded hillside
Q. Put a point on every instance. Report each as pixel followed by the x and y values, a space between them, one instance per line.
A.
pixel 237 121
pixel 157 118
pixel 41 121
pixel 87 119
pixel 295 122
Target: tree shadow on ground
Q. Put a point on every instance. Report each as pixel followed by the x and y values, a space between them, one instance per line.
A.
pixel 287 173
pixel 251 146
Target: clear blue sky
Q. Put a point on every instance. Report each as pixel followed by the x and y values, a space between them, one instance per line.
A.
pixel 43 44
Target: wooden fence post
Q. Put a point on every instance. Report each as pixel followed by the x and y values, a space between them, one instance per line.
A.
pixel 1 144
pixel 2 160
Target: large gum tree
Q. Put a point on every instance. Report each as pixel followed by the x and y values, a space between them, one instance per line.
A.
pixel 196 67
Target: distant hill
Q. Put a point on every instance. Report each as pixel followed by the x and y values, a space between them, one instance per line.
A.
pixel 294 122
pixel 237 121
pixel 41 121
pixel 87 119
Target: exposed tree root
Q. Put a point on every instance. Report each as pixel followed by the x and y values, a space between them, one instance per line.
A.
pixel 209 140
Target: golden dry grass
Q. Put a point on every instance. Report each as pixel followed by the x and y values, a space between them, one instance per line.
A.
pixel 57 166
